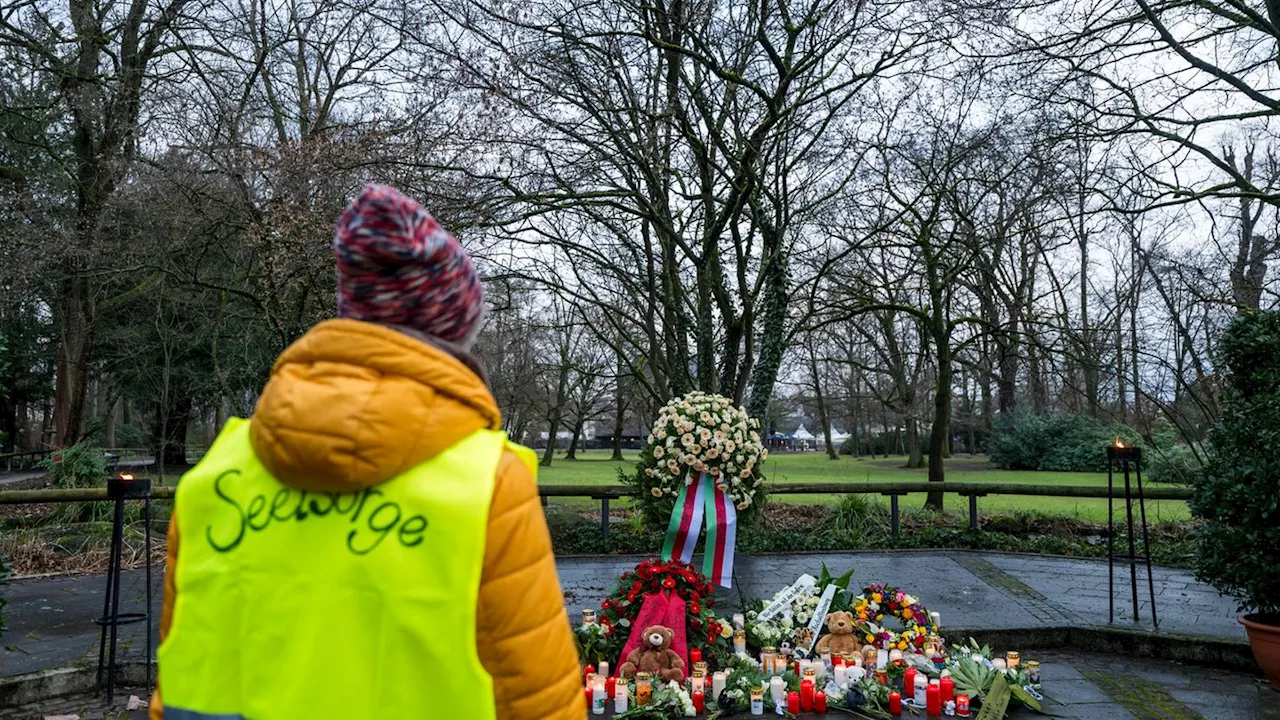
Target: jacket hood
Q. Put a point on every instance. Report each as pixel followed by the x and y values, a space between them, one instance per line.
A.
pixel 351 405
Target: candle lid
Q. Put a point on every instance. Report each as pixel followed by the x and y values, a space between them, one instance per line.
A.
pixel 642 676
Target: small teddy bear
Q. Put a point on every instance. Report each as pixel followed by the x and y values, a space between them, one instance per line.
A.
pixel 839 639
pixel 655 657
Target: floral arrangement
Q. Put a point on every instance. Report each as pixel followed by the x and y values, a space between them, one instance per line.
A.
pixel 876 601
pixel 707 633
pixel 701 433
pixel 976 675
pixel 792 624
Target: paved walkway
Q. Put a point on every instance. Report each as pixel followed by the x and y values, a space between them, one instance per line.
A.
pixel 51 619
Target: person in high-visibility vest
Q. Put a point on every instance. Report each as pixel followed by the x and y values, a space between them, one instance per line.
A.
pixel 369 544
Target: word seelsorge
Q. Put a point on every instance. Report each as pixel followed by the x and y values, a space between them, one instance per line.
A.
pixel 372 520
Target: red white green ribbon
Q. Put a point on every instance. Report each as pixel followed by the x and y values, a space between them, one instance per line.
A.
pixel 722 529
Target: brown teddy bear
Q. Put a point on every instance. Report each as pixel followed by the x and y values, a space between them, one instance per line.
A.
pixel 655 657
pixel 840 639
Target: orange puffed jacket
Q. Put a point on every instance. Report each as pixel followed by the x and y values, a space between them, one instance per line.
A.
pixel 350 405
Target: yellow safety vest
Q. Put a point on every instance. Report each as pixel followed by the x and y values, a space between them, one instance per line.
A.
pixel 324 605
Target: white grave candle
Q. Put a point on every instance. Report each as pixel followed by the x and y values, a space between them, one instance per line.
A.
pixel 717 684
pixel 777 690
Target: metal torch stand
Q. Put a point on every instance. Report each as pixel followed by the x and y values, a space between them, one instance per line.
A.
pixel 120 490
pixel 1124 456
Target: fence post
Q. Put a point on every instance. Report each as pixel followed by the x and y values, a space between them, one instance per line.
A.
pixel 604 518
pixel 893 515
pixel 973 512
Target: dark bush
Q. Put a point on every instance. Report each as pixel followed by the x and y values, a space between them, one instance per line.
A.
pixel 1175 463
pixel 1064 442
pixel 1238 494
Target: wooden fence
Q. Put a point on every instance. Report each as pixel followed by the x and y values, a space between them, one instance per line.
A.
pixel 607 493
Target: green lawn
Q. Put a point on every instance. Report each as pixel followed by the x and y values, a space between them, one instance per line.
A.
pixel 595 468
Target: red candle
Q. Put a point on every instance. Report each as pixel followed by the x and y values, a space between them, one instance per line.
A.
pixel 793 702
pixel 587 695
pixel 699 701
pixel 837 661
pixel 588 671
pixel 695 656
pixel 820 702
pixel 806 695
pixel 962 706
pixel 895 703
pixel 948 689
pixel 933 700
pixel 909 682
pixel 610 686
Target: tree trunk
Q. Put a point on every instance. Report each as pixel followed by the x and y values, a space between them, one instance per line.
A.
pixel 169 432
pixel 75 340
pixel 619 409
pixel 109 426
pixel 573 442
pixel 915 455
pixel 552 428
pixel 773 341
pixel 832 452
pixel 939 439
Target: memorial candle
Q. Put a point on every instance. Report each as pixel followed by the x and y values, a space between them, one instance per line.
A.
pixel 933 700
pixel 587 672
pixel 699 701
pixel 895 703
pixel 740 642
pixel 598 696
pixel 757 700
pixel 909 681
pixel 620 696
pixel 603 669
pixel 611 686
pixel 1013 658
pixel 948 687
pixel 820 702
pixel 882 659
pixel 810 682
pixel 837 674
pixel 962 706
pixel 695 656
pixel 644 688
pixel 718 682
pixel 777 690
pixel 919 693
pixel 793 702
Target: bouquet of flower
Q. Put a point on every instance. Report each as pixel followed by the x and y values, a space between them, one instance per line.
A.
pixel 877 601
pixel 712 635
pixel 695 434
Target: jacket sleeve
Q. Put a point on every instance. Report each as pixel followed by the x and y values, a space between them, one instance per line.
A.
pixel 523 634
pixel 166 612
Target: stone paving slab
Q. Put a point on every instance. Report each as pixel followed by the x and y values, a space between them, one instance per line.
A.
pixel 51 619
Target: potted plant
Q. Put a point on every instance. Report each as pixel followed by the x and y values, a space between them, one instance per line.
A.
pixel 1238 494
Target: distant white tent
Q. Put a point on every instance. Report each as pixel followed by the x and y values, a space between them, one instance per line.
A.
pixel 802 434
pixel 838 435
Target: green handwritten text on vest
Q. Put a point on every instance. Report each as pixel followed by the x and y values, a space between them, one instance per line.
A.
pixel 372 516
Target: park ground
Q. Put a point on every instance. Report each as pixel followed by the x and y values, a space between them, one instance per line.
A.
pixel 595 468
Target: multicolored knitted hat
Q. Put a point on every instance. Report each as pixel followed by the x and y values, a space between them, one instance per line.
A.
pixel 397 266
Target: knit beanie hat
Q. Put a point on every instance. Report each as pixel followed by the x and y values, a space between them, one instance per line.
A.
pixel 397 266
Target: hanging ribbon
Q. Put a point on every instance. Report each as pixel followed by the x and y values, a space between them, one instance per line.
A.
pixel 722 529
